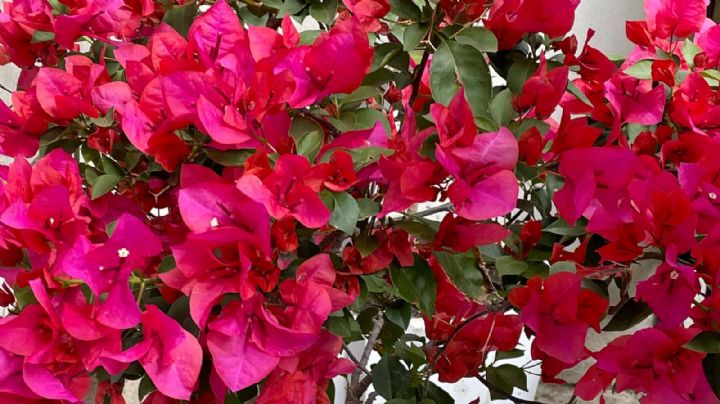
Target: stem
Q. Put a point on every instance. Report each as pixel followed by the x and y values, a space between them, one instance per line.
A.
pixel 354 359
pixel 357 387
pixel 419 74
pixel 442 208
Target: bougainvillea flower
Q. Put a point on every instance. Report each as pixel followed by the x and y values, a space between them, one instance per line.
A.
pixel 170 355
pixel 284 192
pixel 635 101
pixel 670 292
pixel 651 361
pixel 675 18
pixel 455 123
pixel 483 172
pixel 461 234
pixel 106 268
pixel 220 261
pixel 559 311
pixel 247 342
pixel 465 352
pixel 509 20
pixel 305 377
pixel 592 173
pixel 369 12
pixel 544 89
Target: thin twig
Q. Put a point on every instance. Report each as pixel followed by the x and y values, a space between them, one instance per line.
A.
pixel 2 87
pixel 505 395
pixel 355 360
pixel 357 387
pixel 437 209
pixel 420 71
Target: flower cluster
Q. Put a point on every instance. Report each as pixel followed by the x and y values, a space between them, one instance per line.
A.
pixel 214 201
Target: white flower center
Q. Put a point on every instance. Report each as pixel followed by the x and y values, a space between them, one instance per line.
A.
pixel 214 222
pixel 713 196
pixel 123 253
pixel 674 275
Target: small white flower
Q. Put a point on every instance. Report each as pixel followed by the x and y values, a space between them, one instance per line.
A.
pixel 713 196
pixel 674 275
pixel 214 222
pixel 123 253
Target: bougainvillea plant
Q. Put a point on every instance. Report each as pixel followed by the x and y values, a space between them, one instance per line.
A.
pixel 217 198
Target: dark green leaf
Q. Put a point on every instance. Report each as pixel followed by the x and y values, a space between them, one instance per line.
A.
pixel 111 167
pixel 399 313
pixel 438 395
pixel 104 184
pixel 420 228
pixel 503 355
pixel 309 145
pixel 412 36
pixel 368 207
pixel 345 213
pixel 406 9
pixel 510 266
pixel 463 272
pixel 479 38
pixel 416 284
pixel 181 17
pixel 505 378
pixel 561 228
pixel 501 107
pixel 290 7
pixel 474 75
pixel 385 53
pixel 706 341
pixel 146 387
pixel 629 315
pixel 519 73
pixel 711 366
pixel 366 245
pixel 230 158
pixel 390 378
pixel 324 11
pixel 53 135
pixel 105 121
pixel 443 79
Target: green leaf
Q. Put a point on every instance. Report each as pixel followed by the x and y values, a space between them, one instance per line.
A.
pixel 345 213
pixel 105 121
pixel 399 313
pixel 505 378
pixel 181 17
pixel 463 272
pixel 104 184
pixel 385 53
pixel 630 314
pixel 406 9
pixel 479 38
pixel 111 167
pixel 368 207
pixel 510 266
pixel 229 158
pixel 474 76
pixel 366 245
pixel 290 7
pixel 53 135
pixel 110 228
pixel 420 228
pixel 42 36
pixel 501 107
pixel 413 35
pixel 711 366
pixel 563 266
pixel 389 377
pixel 361 94
pixel 575 90
pixel 504 355
pixel 443 79
pixel 324 11
pixel 309 145
pixel 146 387
pixel 519 73
pixel 416 284
pixel 689 51
pixel 561 228
pixel 641 70
pixel 706 341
